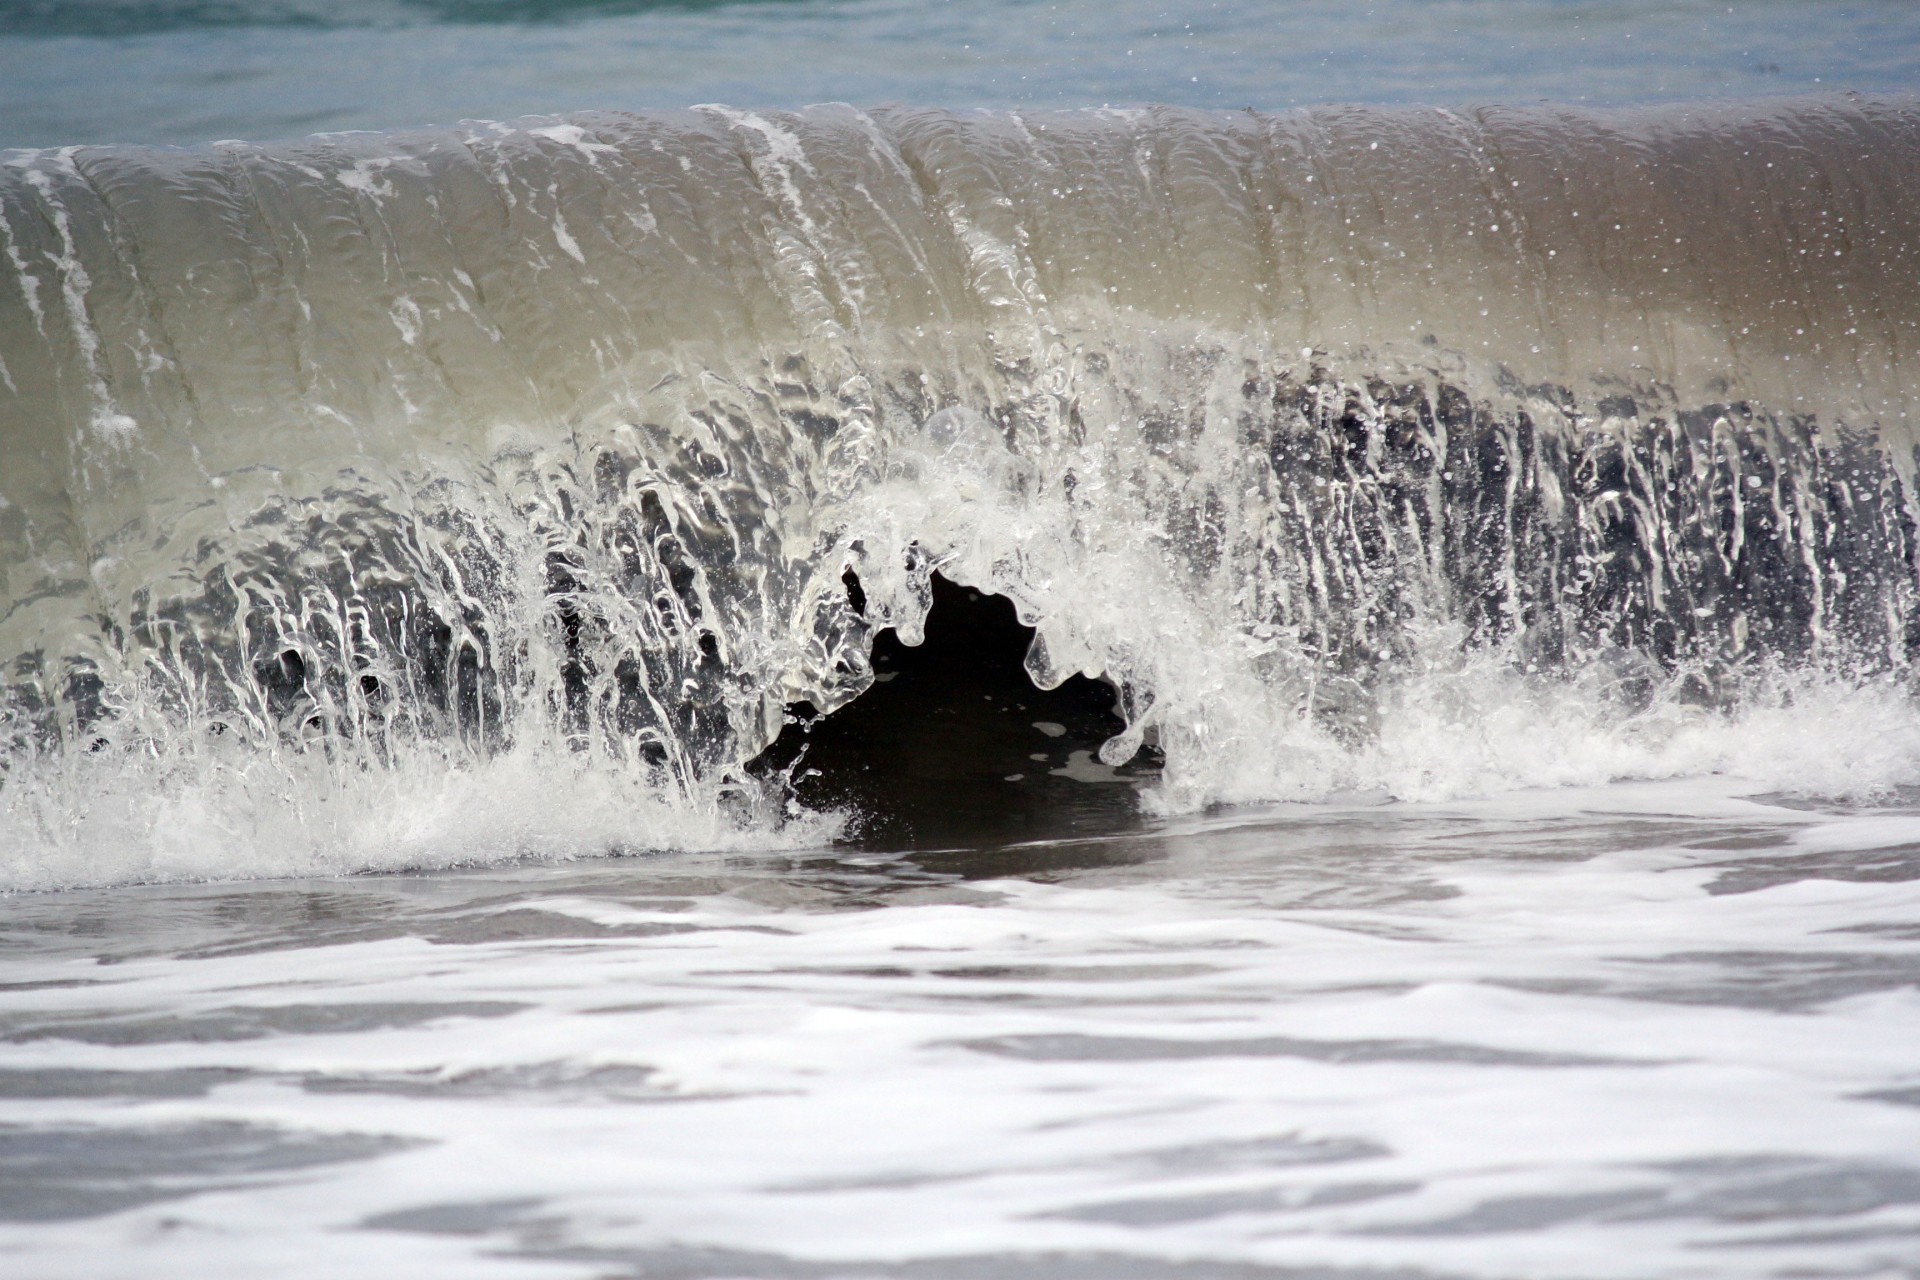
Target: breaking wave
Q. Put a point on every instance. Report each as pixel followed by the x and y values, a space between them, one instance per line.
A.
pixel 408 499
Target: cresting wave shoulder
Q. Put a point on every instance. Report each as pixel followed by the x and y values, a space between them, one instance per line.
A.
pixel 347 486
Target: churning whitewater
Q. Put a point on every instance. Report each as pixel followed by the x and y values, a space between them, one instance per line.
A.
pixel 389 500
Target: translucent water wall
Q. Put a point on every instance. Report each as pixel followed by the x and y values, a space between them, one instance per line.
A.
pixel 402 499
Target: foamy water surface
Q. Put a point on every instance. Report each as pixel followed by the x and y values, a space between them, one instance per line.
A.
pixel 1642 1030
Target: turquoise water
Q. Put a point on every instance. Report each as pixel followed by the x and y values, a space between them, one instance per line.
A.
pixel 176 71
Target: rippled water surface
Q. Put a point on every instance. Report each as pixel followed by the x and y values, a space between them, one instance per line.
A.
pixel 1662 1030
pixel 189 71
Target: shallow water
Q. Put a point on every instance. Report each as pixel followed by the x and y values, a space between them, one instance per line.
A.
pixel 1655 1030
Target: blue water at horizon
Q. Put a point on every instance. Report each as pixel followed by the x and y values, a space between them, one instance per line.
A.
pixel 187 71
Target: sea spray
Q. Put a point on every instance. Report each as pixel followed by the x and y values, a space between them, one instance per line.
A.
pixel 371 500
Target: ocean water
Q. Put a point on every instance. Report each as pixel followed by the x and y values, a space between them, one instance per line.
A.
pixel 1158 645
pixel 1663 1029
pixel 186 71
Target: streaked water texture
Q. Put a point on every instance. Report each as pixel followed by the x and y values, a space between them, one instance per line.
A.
pixel 401 500
pixel 1663 1031
pixel 1443 577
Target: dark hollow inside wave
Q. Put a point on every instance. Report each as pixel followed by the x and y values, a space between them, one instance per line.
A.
pixel 953 745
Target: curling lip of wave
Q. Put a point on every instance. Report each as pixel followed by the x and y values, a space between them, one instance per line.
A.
pixel 1314 433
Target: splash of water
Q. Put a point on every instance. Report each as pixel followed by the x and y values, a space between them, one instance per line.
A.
pixel 405 499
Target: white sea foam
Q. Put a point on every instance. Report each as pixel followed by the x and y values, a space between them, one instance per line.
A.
pixel 205 810
pixel 1649 1031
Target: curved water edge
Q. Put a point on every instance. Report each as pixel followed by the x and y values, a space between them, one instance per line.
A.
pixel 403 499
